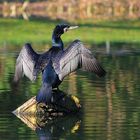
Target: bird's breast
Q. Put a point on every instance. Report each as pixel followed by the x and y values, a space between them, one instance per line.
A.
pixel 49 76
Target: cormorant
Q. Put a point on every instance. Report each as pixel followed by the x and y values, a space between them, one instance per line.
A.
pixel 56 63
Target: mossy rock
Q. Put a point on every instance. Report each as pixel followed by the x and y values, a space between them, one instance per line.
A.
pixel 62 104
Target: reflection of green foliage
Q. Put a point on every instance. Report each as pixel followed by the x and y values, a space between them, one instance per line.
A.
pixel 17 31
pixel 110 105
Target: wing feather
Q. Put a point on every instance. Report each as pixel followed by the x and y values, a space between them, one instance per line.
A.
pixel 77 56
pixel 25 63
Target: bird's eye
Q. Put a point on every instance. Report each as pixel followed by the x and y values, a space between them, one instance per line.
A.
pixel 65 29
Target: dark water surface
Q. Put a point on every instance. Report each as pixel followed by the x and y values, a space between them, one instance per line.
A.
pixel 111 105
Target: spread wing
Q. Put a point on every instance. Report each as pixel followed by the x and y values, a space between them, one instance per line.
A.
pixel 77 56
pixel 25 63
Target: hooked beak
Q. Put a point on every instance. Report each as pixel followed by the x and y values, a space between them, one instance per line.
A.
pixel 72 27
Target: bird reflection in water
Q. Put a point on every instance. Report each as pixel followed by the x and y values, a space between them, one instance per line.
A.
pixel 60 126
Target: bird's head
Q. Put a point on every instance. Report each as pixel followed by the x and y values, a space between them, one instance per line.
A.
pixel 62 28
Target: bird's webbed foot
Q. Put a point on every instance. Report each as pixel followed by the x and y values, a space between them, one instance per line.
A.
pixel 41 108
pixel 56 89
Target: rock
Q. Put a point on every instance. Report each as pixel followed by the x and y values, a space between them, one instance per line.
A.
pixel 34 114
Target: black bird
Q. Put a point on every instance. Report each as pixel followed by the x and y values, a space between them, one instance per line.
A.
pixel 56 63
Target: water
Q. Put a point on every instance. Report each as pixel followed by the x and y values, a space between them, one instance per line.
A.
pixel 110 105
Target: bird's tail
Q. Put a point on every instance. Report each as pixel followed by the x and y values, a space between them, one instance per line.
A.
pixel 45 94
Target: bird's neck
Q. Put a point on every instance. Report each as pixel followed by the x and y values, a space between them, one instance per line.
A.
pixel 57 41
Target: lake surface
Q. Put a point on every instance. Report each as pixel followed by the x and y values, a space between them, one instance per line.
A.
pixel 110 105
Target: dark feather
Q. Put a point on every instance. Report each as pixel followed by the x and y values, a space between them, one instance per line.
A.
pixel 25 63
pixel 77 56
pixel 45 93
